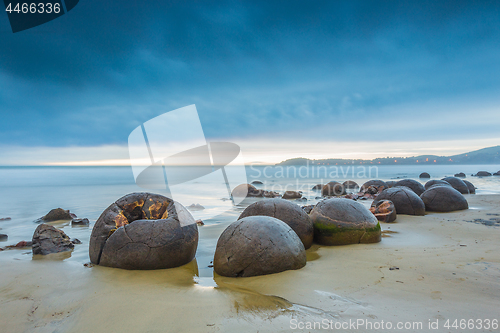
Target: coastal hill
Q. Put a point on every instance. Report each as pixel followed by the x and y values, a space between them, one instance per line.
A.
pixel 489 155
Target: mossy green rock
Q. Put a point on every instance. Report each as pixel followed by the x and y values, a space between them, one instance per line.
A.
pixel 344 221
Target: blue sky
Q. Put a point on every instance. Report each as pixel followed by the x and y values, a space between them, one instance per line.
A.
pixel 282 79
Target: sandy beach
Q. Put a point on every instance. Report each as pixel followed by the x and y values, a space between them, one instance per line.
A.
pixel 437 267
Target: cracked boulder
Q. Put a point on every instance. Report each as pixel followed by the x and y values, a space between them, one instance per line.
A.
pixel 384 210
pixel 144 231
pixel 47 240
pixel 258 245
pixel 344 221
pixel 404 199
pixel 415 186
pixel 444 199
pixel 333 188
pixel 287 212
pixel 458 184
pixel 376 183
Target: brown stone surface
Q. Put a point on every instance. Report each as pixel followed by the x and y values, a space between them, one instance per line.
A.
pixel 404 199
pixel 414 185
pixel 443 199
pixel 384 210
pixel 333 188
pixel 457 184
pixel 47 240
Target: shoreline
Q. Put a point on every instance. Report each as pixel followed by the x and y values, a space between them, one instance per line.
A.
pixel 437 277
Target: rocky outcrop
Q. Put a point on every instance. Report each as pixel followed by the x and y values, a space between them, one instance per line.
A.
pixel 47 240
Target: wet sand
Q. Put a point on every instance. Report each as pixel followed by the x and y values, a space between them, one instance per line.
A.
pixel 443 268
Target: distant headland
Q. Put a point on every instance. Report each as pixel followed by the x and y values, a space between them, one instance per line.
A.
pixel 489 155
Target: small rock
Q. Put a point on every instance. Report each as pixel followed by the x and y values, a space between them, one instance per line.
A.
pixel 56 215
pixel 3 237
pixel 308 208
pixel 5 219
pixel 21 244
pixel 195 207
pixel 80 221
pixel 88 264
pixel 76 241
pixel 496 173
pixel 303 199
pixel 47 239
pixel 460 175
pixel 394 268
pixel 483 174
pixel 424 175
pixel 384 210
pixel 257 182
pixel 199 222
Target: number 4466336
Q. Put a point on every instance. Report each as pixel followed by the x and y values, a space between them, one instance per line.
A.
pixel 471 324
pixel 33 8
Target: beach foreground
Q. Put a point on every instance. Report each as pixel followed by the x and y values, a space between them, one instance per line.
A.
pixel 429 268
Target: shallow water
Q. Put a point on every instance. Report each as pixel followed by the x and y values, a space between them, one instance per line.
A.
pixel 28 193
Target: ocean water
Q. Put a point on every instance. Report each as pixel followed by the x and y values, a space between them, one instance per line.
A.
pixel 27 193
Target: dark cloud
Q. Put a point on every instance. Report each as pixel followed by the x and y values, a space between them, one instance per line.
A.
pixel 254 69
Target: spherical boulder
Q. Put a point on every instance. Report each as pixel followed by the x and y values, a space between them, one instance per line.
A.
pixel 258 245
pixel 435 182
pixel 287 212
pixel 245 190
pixel 349 184
pixel 384 210
pixel 443 199
pixel 317 187
pixel 257 182
pixel 415 186
pixel 424 175
pixel 333 188
pixel 341 221
pixel 404 199
pixel 292 195
pixel 496 173
pixel 457 184
pixel 391 183
pixel 483 174
pixel 377 183
pixel 144 231
pixel 470 186
pixel 460 175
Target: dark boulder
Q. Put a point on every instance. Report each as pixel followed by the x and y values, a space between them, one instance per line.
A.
pixel 258 245
pixel 376 183
pixel 292 195
pixel 460 175
pixel 435 182
pixel 5 219
pixel 457 184
pixel 257 182
pixel 496 173
pixel 56 214
pixel 317 187
pixel 144 231
pixel 415 186
pixel 424 175
pixel 333 188
pixel 3 237
pixel 483 174
pixel 443 199
pixel 339 221
pixel 351 185
pixel 287 212
pixel 384 210
pixel 404 199
pixel 470 186
pixel 80 222
pixel 47 240
pixel 391 183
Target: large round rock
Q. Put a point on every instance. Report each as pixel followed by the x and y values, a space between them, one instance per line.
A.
pixel 404 199
pixel 424 175
pixel 377 183
pixel 344 221
pixel 415 186
pixel 470 186
pixel 258 245
pixel 144 231
pixel 434 182
pixel 333 188
pixel 287 212
pixel 458 184
pixel 444 199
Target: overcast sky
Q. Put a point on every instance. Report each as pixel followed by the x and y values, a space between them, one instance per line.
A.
pixel 282 79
